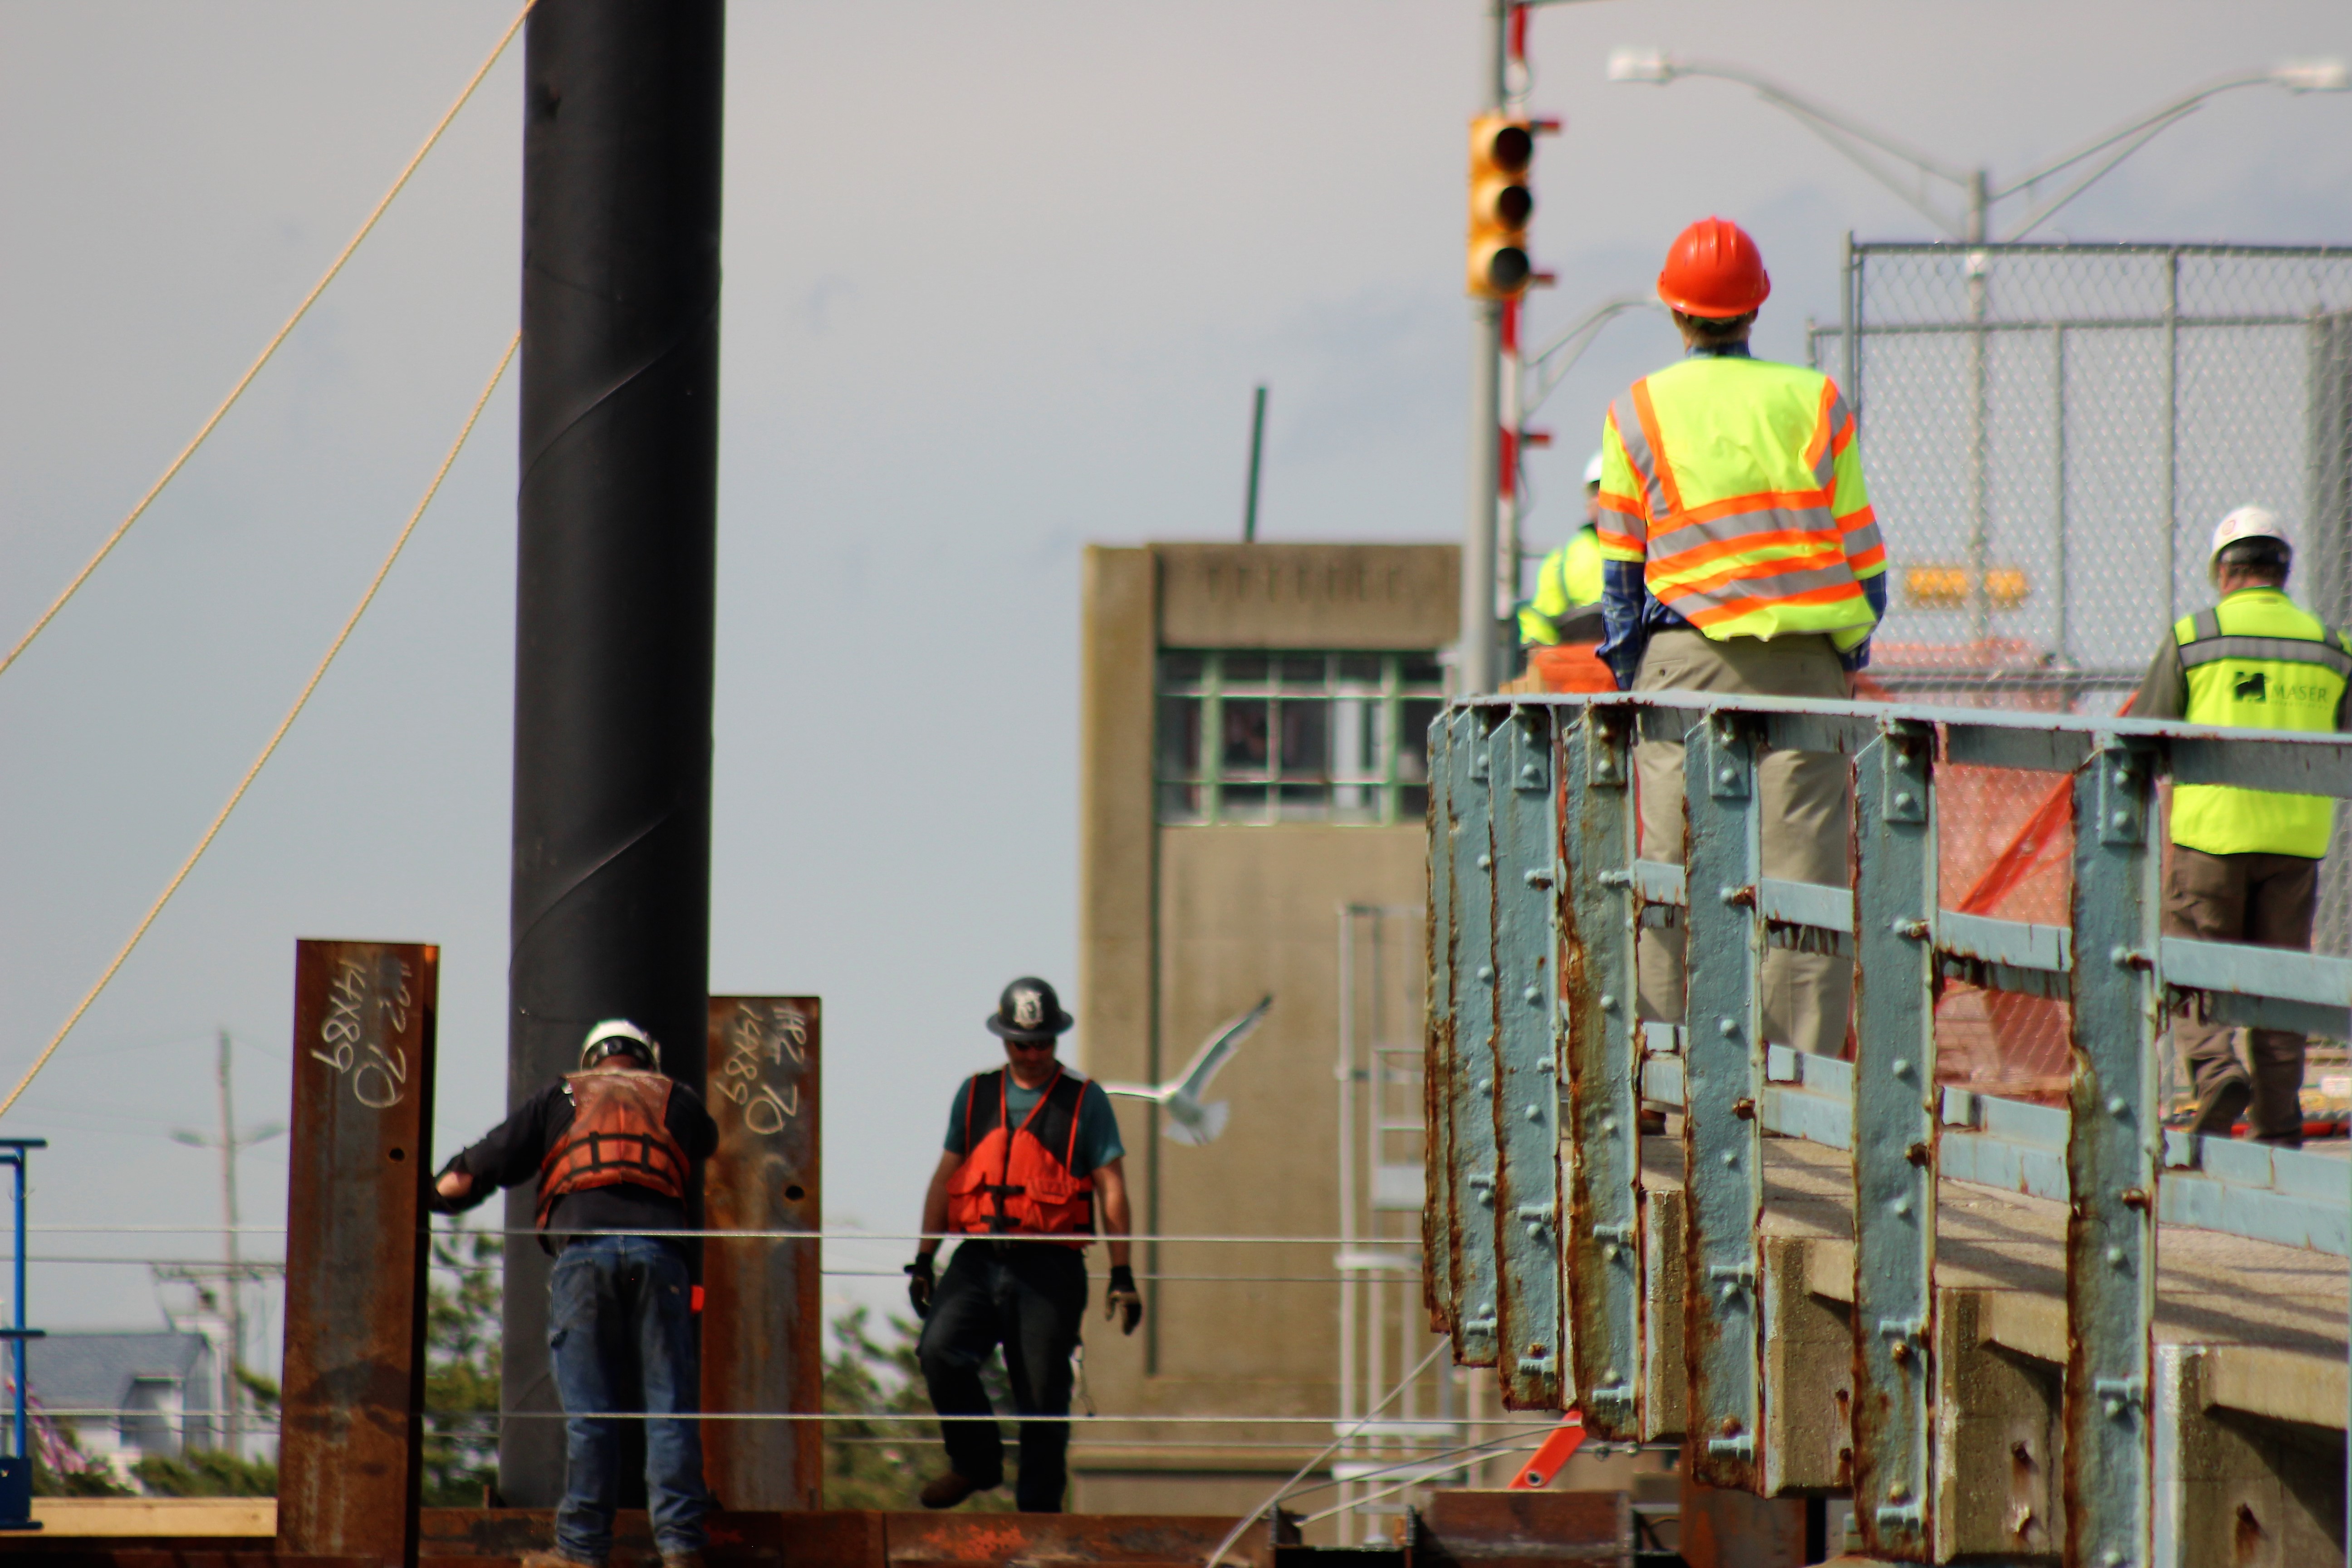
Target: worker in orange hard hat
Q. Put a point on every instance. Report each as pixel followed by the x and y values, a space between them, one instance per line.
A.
pixel 1739 555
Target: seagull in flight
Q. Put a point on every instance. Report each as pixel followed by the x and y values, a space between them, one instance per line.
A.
pixel 1189 1120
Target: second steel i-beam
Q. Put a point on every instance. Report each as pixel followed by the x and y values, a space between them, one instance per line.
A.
pixel 1601 1106
pixel 1723 1145
pixel 1470 1087
pixel 1530 1355
pixel 764 1316
pixel 2113 1142
pixel 1893 1138
pixel 353 1421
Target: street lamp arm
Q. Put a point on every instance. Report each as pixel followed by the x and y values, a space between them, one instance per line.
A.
pixel 2137 132
pixel 1575 340
pixel 2050 208
pixel 1847 137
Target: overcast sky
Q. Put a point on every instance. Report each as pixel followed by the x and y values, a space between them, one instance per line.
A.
pixel 999 278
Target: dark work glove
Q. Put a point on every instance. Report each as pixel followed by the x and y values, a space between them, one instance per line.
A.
pixel 435 1204
pixel 1123 1296
pixel 920 1284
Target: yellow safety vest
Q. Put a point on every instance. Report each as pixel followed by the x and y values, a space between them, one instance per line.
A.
pixel 1568 577
pixel 2257 661
pixel 1738 482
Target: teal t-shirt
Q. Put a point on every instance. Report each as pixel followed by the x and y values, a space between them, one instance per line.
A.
pixel 1099 1141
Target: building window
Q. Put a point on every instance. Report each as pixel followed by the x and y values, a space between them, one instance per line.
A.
pixel 1259 737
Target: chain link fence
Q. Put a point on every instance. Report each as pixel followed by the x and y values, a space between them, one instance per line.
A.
pixel 2051 432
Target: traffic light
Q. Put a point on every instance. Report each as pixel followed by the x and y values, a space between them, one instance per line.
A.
pixel 1502 148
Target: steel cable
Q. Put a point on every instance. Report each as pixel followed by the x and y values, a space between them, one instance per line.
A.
pixel 268 350
pixel 284 724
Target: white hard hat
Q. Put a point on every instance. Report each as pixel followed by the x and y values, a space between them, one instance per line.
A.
pixel 617 1029
pixel 1592 471
pixel 2247 522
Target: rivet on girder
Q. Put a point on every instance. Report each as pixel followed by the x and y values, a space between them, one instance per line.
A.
pixel 2117 1105
pixel 1730 1028
pixel 1532 994
pixel 1608 1002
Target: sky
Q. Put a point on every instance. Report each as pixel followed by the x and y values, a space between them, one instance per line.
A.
pixel 999 279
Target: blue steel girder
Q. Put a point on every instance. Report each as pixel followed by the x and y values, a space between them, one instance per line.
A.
pixel 2113 1146
pixel 1723 1153
pixel 1894 1114
pixel 1598 913
pixel 1470 1073
pixel 1437 1143
pixel 1529 1356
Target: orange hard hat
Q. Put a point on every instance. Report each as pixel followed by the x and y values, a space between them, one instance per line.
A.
pixel 1714 269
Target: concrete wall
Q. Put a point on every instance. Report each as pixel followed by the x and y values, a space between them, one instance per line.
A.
pixel 1180 928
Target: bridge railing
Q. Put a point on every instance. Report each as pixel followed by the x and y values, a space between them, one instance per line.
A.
pixel 1541 1261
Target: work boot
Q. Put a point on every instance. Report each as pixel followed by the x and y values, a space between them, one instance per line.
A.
pixel 681 1559
pixel 557 1560
pixel 947 1490
pixel 2219 1108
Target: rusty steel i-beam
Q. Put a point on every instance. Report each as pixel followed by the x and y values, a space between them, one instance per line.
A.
pixel 352 1418
pixel 764 1304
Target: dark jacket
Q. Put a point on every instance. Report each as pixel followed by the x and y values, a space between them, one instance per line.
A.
pixel 511 1154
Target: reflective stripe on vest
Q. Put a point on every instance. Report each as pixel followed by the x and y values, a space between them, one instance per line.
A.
pixel 619 1132
pixel 1737 462
pixel 2257 661
pixel 1015 1181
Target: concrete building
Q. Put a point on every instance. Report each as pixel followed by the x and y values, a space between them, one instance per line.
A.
pixel 1252 728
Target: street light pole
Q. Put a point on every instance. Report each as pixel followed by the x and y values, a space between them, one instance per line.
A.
pixel 1857 142
pixel 1475 668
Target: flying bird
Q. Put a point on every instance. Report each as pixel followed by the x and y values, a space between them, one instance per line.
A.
pixel 1190 1121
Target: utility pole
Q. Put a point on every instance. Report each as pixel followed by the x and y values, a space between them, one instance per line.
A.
pixel 233 1394
pixel 1475 668
pixel 1257 450
pixel 616 569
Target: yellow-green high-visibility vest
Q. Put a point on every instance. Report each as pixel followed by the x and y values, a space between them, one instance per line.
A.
pixel 2257 661
pixel 1568 577
pixel 1738 483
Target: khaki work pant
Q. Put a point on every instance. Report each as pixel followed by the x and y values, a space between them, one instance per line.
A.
pixel 2266 900
pixel 1807 829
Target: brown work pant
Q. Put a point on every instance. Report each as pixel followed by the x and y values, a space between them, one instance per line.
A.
pixel 2266 900
pixel 1807 829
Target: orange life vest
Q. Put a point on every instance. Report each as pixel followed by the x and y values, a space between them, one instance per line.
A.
pixel 618 1133
pixel 1016 1180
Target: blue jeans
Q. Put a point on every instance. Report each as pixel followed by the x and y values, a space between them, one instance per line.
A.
pixel 620 1334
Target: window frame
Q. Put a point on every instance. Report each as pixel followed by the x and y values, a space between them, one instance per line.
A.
pixel 1384 703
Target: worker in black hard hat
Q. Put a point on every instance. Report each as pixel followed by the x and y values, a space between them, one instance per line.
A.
pixel 1032 1162
pixel 613 1147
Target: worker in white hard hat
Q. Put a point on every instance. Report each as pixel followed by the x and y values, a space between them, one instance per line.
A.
pixel 2245 862
pixel 1567 606
pixel 612 1148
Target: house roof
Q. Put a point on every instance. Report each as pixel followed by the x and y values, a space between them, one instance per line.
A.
pixel 94 1369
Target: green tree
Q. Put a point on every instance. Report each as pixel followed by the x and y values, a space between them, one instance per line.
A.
pixel 461 1367
pixel 206 1472
pixel 883 1464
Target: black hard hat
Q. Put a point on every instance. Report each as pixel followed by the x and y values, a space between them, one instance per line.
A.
pixel 1029 1010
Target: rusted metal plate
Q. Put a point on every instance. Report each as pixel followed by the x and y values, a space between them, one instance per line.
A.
pixel 1601 1051
pixel 1032 1540
pixel 1471 1272
pixel 1467 1528
pixel 465 1537
pixel 762 1324
pixel 1729 1528
pixel 2112 1142
pixel 1894 1123
pixel 354 1374
pixel 1437 1144
pixel 1723 1151
pixel 1529 1356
